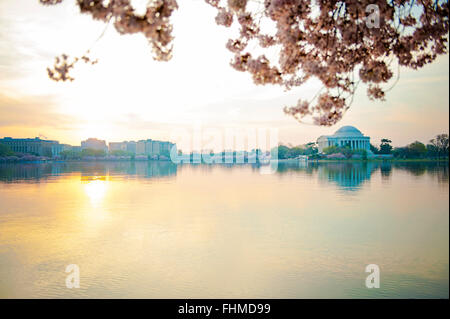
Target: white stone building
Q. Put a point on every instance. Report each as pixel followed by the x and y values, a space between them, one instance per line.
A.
pixel 95 144
pixel 345 136
pixel 117 146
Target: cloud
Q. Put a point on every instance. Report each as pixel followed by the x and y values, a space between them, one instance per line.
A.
pixel 32 111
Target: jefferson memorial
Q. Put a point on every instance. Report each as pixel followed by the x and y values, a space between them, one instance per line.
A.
pixel 345 136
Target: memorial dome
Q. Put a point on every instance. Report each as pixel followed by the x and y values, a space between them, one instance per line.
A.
pixel 348 131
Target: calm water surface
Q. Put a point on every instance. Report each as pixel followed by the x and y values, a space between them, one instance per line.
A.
pixel 158 230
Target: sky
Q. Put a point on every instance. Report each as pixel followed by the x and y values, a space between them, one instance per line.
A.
pixel 129 96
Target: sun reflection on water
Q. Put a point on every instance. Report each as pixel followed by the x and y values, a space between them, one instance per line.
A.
pixel 95 188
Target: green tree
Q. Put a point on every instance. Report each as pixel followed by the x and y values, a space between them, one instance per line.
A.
pixel 92 152
pixel 5 150
pixel 401 152
pixel 347 151
pixel 441 144
pixel 70 154
pixel 120 153
pixel 283 151
pixel 296 151
pixel 333 149
pixel 374 149
pixel 417 149
pixel 311 148
pixel 432 151
pixel 364 155
pixel 385 146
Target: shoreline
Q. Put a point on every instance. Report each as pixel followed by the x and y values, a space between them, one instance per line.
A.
pixel 287 160
pixel 399 160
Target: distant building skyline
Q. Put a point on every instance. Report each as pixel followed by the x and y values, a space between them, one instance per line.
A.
pixel 52 148
pixel 345 135
pixel 35 145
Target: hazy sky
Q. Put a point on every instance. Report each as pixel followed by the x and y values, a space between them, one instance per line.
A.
pixel 128 96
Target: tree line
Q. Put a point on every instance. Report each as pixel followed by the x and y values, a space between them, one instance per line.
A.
pixel 437 148
pixel 286 152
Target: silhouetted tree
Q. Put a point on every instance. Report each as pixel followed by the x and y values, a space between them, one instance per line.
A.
pixel 5 150
pixel 374 149
pixel 385 146
pixel 441 144
pixel 417 149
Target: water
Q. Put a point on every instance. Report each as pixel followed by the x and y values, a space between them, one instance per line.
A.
pixel 157 230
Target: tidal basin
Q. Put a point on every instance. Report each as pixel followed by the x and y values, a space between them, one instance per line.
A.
pixel 158 230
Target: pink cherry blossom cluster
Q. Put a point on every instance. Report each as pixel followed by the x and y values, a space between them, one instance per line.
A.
pixel 63 65
pixel 331 41
pixel 374 92
pixel 328 40
pixel 155 25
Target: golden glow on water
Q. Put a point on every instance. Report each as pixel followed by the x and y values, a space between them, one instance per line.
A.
pixel 154 230
pixel 95 188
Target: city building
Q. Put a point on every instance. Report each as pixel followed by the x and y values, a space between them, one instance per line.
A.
pixel 141 147
pixel 154 148
pixel 34 146
pixel 127 146
pixel 345 136
pixel 117 146
pixel 149 144
pixel 67 147
pixel 166 148
pixel 50 148
pixel 94 144
pixel 131 147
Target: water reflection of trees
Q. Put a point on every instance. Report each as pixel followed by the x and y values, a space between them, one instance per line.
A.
pixel 350 176
pixel 43 171
pixel 386 170
pixel 435 169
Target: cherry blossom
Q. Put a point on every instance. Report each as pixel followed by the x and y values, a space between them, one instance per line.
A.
pixel 340 43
